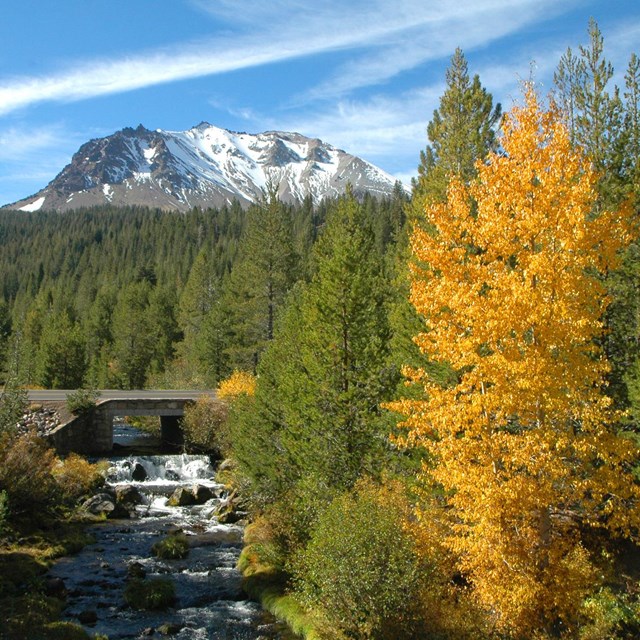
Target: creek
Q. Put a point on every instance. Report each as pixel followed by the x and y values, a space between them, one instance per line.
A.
pixel 210 602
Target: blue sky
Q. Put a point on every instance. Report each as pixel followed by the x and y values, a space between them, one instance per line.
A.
pixel 363 75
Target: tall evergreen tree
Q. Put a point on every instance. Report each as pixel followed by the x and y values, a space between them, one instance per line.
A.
pixel 632 122
pixel 62 358
pixel 259 281
pixel 593 114
pixel 99 335
pixel 567 79
pixel 133 347
pixel 322 379
pixel 606 129
pixel 163 325
pixel 198 304
pixel 461 131
pixel 5 332
pixel 13 400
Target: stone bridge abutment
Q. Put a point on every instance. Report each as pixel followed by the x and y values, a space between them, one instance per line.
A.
pixel 92 432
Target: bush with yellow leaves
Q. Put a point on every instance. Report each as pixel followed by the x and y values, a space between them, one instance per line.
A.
pixel 76 477
pixel 238 383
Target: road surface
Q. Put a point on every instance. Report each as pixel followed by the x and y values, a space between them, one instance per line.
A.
pixel 58 395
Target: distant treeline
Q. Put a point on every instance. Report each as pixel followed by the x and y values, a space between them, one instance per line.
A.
pixel 124 297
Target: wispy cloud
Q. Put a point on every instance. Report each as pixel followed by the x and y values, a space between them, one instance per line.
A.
pixel 31 156
pixel 377 128
pixel 467 26
pixel 18 144
pixel 264 33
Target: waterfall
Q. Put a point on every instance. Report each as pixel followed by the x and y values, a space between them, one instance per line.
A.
pixel 210 602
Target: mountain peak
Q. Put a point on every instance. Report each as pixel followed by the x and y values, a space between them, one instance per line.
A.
pixel 205 166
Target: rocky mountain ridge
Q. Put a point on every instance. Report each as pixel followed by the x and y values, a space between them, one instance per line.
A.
pixel 203 167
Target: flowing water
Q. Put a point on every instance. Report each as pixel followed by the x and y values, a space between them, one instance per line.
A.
pixel 210 601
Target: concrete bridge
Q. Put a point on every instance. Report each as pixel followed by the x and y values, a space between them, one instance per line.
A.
pixel 92 433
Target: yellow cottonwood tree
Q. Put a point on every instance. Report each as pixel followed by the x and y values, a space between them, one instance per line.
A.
pixel 510 290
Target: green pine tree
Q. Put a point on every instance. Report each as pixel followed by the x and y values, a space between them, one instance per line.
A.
pixel 62 358
pixel 133 347
pixel 632 122
pixel 461 131
pixel 316 419
pixel 261 277
pixel 594 115
pixel 606 128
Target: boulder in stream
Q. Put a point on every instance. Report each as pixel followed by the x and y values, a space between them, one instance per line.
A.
pixel 99 505
pixel 202 493
pixel 55 588
pixel 170 474
pixel 88 617
pixel 136 571
pixel 169 628
pixel 128 495
pixel 181 497
pixel 231 516
pixel 138 473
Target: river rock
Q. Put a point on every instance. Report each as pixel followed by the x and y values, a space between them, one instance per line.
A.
pixel 231 516
pixel 138 473
pixel 55 588
pixel 169 628
pixel 226 465
pixel 88 617
pixel 136 571
pixel 201 493
pixel 181 497
pixel 128 495
pixel 220 536
pixel 100 504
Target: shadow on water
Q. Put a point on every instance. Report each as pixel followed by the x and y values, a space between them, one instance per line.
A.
pixel 128 440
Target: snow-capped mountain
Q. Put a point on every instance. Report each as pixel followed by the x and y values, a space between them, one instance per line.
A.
pixel 205 167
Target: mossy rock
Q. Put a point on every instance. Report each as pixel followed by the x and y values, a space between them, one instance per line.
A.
pixel 173 547
pixel 64 631
pixel 155 594
pixel 181 497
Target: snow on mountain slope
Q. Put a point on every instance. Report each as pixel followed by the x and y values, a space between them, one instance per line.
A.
pixel 205 167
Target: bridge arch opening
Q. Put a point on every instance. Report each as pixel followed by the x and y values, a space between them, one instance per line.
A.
pixel 93 433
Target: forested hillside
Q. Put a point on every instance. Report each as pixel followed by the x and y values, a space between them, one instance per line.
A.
pixel 127 297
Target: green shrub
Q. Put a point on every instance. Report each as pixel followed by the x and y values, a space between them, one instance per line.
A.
pixel 14 402
pixel 204 426
pixel 4 511
pixel 172 547
pixel 26 464
pixel 148 424
pixel 607 614
pixel 153 594
pixel 82 400
pixel 360 570
pixel 27 616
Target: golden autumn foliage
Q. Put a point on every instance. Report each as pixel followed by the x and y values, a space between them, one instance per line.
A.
pixel 76 477
pixel 237 383
pixel 508 280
